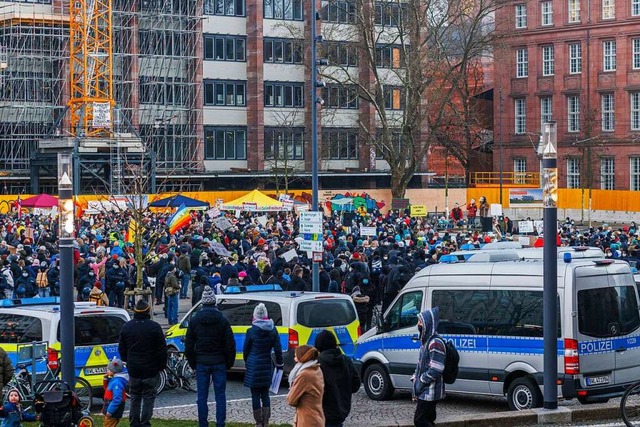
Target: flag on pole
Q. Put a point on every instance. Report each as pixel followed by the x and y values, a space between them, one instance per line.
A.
pixel 179 220
pixel 132 231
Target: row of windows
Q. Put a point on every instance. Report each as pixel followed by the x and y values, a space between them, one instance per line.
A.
pixel 283 51
pixel 165 91
pixel 283 94
pixel 386 13
pixel 573 9
pixel 290 10
pixel 225 7
pixel 225 48
pixel 338 96
pixel 163 42
pixel 575 58
pixel 607 112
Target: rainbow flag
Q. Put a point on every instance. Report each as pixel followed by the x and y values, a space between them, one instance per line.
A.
pixel 179 220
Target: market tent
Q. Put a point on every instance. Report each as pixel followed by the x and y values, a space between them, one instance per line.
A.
pixel 254 201
pixel 40 201
pixel 178 200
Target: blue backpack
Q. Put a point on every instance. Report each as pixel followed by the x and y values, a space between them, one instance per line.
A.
pixel 119 285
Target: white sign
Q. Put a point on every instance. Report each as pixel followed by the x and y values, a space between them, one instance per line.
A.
pixel 282 197
pixel 311 222
pixel 262 220
pixel 302 208
pixel 525 226
pixel 213 213
pixel 539 225
pixel 101 115
pixel 496 209
pixel 311 217
pixel 222 223
pixel 289 255
pixel 250 206
pixel 287 205
pixel 311 246
pixel 368 231
pixel 524 240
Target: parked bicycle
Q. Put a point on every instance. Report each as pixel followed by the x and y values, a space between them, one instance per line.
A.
pixel 630 406
pixel 176 374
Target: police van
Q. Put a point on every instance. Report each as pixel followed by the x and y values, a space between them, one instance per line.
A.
pixel 493 313
pixel 298 316
pixel 575 252
pixel 37 320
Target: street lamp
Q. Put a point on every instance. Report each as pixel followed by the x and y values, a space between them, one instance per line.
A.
pixel 549 151
pixel 65 239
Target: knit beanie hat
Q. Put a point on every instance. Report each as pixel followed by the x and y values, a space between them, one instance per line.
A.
pixel 208 296
pixel 260 312
pixel 326 341
pixel 115 366
pixel 98 284
pixel 305 353
pixel 142 306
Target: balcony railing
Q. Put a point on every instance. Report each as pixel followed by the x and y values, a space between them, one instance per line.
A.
pixel 511 179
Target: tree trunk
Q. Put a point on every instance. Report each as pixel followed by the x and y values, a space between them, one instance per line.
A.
pixel 398 184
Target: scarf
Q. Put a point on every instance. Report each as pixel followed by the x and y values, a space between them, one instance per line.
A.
pixel 299 368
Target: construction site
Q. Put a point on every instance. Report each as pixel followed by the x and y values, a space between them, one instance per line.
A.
pixel 116 83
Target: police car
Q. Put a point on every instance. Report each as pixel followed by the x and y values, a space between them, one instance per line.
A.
pixel 37 320
pixel 298 317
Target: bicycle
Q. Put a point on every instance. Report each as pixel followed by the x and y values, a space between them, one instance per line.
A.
pixel 177 373
pixel 630 405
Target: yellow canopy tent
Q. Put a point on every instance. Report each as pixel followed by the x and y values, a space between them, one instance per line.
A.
pixel 255 201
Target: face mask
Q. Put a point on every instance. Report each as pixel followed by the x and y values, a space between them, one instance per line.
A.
pixel 91 274
pixel 25 274
pixel 116 266
pixel 365 281
pixel 343 267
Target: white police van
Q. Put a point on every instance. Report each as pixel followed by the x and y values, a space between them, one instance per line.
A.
pixel 493 313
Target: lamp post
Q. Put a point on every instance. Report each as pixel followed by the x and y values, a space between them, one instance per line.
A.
pixel 500 138
pixel 65 238
pixel 548 150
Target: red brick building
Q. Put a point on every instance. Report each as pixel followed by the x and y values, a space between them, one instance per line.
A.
pixel 576 62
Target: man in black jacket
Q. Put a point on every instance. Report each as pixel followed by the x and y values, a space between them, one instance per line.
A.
pixel 341 380
pixel 144 349
pixel 211 349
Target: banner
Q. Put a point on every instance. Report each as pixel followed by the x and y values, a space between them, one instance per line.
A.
pixel 525 198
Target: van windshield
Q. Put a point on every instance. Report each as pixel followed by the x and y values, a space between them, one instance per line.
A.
pixel 97 330
pixel 608 312
pixel 324 313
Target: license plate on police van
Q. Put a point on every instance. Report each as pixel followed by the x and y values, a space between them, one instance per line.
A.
pixel 95 371
pixel 604 379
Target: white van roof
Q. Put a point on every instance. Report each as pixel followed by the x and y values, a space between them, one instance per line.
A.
pixel 577 252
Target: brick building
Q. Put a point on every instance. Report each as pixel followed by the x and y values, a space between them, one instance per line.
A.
pixel 576 62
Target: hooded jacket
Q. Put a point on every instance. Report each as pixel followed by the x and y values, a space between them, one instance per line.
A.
pixel 341 380
pixel 260 339
pixel 428 383
pixel 209 339
pixel 115 394
pixel 143 347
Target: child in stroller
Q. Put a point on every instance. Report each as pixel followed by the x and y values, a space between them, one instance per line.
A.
pixel 11 412
pixel 59 406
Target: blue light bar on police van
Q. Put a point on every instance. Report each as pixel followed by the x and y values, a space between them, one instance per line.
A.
pixel 252 288
pixel 29 301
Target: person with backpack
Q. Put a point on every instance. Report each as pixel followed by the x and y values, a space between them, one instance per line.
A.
pixel 428 381
pixel 42 281
pixel 96 295
pixel 8 279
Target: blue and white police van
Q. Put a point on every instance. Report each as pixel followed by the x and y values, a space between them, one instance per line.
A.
pixel 493 311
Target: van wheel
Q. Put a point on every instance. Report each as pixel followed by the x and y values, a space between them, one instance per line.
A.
pixel 377 383
pixel 593 400
pixel 523 394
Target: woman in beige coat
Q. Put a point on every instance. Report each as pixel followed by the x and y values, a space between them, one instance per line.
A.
pixel 306 388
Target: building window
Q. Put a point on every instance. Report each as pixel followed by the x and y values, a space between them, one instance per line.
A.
pixel 609 55
pixel 224 7
pixel 521 16
pixel 283 94
pixel 547 12
pixel 225 143
pixel 522 62
pixel 635 110
pixel 520 170
pixel 573 172
pixel 340 143
pixel 635 7
pixel 390 13
pixel 636 53
pixel 548 61
pixel 573 111
pixel 338 11
pixel 283 51
pixel 284 143
pixel 574 10
pixel 575 58
pixel 396 142
pixel 608 112
pixel 608 9
pixel 389 56
pixel 634 172
pixel 341 53
pixel 394 98
pixel 546 110
pixel 225 48
pixel 288 10
pixel 340 96
pixel 520 106
pixel 607 173
pixel 163 90
pixel 225 93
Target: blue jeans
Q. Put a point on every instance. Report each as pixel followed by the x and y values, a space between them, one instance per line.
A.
pixel 260 394
pixel 204 375
pixel 44 292
pixel 184 284
pixel 172 308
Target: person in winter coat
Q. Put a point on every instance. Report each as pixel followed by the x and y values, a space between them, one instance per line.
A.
pixel 171 292
pixel 116 280
pixel 143 348
pixel 362 304
pixel 6 368
pixel 210 349
pixel 96 295
pixel 12 413
pixel 306 388
pixel 261 338
pixel 115 388
pixel 25 286
pixel 184 267
pixel 428 384
pixel 341 379
pixel 53 276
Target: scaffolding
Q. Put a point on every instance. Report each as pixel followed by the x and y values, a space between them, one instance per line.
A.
pixel 156 87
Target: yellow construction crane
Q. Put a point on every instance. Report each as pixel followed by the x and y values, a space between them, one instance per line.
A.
pixel 91 65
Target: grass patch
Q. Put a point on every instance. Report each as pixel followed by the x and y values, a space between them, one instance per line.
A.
pixel 168 423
